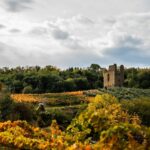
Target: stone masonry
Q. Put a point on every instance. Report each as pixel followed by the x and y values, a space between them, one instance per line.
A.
pixel 113 77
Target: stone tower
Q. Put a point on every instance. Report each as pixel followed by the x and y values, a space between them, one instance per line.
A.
pixel 113 77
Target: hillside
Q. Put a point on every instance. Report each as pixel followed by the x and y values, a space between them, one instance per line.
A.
pixel 102 125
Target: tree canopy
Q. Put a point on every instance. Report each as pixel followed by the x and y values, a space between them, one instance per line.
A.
pixel 52 79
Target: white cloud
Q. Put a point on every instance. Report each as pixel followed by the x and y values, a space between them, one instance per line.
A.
pixel 74 41
pixel 128 40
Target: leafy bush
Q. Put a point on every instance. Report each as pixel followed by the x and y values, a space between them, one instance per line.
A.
pixel 140 106
pixel 10 110
pixel 126 93
pixel 6 107
pixel 103 125
pixel 45 118
pixel 101 114
pixel 24 111
pixel 123 136
pixel 27 89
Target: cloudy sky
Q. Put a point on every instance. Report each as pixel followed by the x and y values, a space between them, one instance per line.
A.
pixel 67 33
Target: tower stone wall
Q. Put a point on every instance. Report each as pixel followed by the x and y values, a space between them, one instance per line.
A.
pixel 113 77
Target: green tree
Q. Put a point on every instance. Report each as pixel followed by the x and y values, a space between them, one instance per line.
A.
pixel 95 67
pixel 6 106
pixel 16 86
pixel 27 89
pixel 81 83
pixel 69 84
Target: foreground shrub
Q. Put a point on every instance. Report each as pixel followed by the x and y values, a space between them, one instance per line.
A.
pixel 19 134
pixel 23 111
pixel 10 110
pixel 6 107
pixel 123 136
pixel 28 89
pixel 140 106
pixel 103 125
pixel 103 113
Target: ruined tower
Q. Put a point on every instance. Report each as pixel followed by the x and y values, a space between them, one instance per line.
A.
pixel 113 77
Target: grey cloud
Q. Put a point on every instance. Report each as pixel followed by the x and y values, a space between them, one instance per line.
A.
pixel 17 5
pixel 74 44
pixel 128 55
pixel 60 34
pixel 63 60
pixel 81 58
pixel 128 50
pixel 14 30
pixel 124 44
pixel 2 47
pixel 131 40
pixel 128 47
pixel 39 31
pixel 12 56
pixel 83 19
pixel 110 20
pixel 67 40
pixel 128 40
pixel 2 26
pixel 8 55
pixel 78 59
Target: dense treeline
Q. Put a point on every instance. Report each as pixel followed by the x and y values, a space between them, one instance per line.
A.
pixel 138 78
pixel 51 79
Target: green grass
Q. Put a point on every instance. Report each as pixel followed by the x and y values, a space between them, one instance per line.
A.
pixel 135 101
pixel 121 93
pixel 79 106
pixel 139 106
pixel 64 107
pixel 61 99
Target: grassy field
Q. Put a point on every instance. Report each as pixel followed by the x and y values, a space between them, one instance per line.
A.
pixel 52 99
pixel 102 125
pixel 60 106
pixel 79 97
pixel 77 100
pixel 121 93
pixel 65 106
